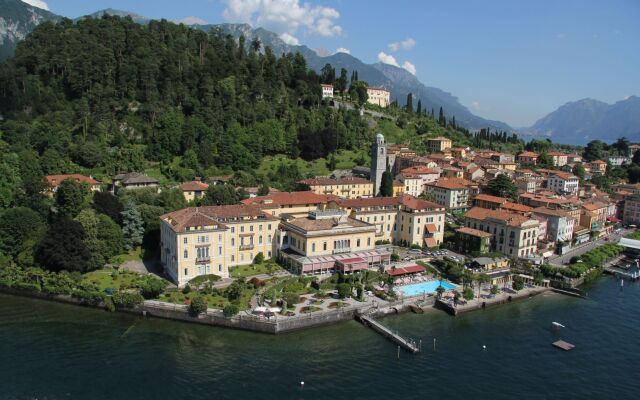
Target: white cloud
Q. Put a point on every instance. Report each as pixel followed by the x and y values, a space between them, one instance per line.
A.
pixel 406 44
pixel 192 20
pixel 475 105
pixel 284 16
pixel 387 59
pixel 409 67
pixel 290 39
pixel 343 50
pixel 37 3
pixel 322 52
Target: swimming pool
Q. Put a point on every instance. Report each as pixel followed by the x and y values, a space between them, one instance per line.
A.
pixel 423 287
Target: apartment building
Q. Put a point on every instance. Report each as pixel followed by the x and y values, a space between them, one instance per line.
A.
pixel 559 224
pixel 401 220
pixel 452 193
pixel 209 240
pixel 631 210
pixel 53 181
pixel 598 166
pixel 563 182
pixel 327 91
pixel 513 234
pixel 559 159
pixel 347 187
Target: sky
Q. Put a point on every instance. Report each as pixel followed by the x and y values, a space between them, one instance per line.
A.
pixel 512 61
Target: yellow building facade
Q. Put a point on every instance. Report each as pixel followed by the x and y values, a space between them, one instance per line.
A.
pixel 349 188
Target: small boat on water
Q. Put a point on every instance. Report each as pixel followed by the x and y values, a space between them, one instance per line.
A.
pixel 557 325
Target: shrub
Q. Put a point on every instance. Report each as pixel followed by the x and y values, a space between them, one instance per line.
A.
pixel 494 289
pixel 230 310
pixel 90 297
pixel 198 306
pixel 518 283
pixel 256 282
pixel 259 258
pixel 291 298
pixel 124 299
pixel 234 291
pixel 186 289
pixel 151 287
pixel 467 293
pixel 395 256
pixel 199 280
pixel 344 290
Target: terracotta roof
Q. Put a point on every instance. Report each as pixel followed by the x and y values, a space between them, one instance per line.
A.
pixel 134 177
pixel 452 183
pixel 493 199
pixel 549 211
pixel 511 218
pixel 220 178
pixel 55 180
pixel 598 162
pixel 516 207
pixel 556 154
pixel 473 232
pixel 349 180
pixel 419 169
pixel 326 85
pixel 193 186
pixel 212 215
pixel 290 198
pixel 439 138
pixel 565 176
pixel 528 154
pixel 377 88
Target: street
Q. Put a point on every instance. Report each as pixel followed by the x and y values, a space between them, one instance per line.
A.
pixel 580 250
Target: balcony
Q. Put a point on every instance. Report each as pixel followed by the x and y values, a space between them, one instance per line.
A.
pixel 203 260
pixel 246 246
pixel 378 234
pixel 341 251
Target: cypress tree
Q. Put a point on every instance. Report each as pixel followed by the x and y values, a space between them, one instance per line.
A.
pixel 419 108
pixel 410 103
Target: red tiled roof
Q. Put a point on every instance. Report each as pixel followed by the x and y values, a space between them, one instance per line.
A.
pixel 511 218
pixel 556 154
pixel 211 215
pixel 530 154
pixel 598 162
pixel 405 200
pixel 290 198
pixel 377 88
pixel 473 232
pixel 193 186
pixel 565 175
pixel 516 207
pixel 452 183
pixel 490 198
pixel 419 169
pixel 55 180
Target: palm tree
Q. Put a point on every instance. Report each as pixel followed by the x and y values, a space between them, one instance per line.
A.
pixel 481 278
pixel 439 291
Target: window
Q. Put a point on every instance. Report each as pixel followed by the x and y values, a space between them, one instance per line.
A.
pixel 324 246
pixel 233 242
pixel 260 239
pixel 185 240
pixel 241 229
pixel 358 243
pixel 220 267
pixel 219 250
pixel 186 272
pixel 251 228
pixel 269 227
pixel 269 239
pixel 233 229
pixel 233 258
pixel 186 254
pixel 260 227
pixel 313 247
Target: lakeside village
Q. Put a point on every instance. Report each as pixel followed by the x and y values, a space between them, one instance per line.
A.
pixel 409 232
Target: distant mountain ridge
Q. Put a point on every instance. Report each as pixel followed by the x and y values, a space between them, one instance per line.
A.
pixel 581 121
pixel 17 20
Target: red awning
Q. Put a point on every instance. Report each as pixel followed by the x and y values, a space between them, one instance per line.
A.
pixel 613 219
pixel 431 228
pixel 430 242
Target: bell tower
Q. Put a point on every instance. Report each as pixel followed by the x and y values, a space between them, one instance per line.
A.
pixel 378 162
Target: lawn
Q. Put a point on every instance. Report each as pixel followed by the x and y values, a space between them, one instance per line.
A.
pixel 254 269
pixel 133 255
pixel 110 278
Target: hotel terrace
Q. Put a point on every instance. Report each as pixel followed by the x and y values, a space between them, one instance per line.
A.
pixel 209 240
pixel 327 241
pixel 297 204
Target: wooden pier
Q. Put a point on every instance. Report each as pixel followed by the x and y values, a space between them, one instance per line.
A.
pixel 388 333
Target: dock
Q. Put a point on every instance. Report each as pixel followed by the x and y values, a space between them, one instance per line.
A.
pixel 388 333
pixel 561 344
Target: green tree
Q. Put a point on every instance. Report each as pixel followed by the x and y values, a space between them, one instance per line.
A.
pixel 518 283
pixel 70 197
pixel 132 226
pixel 386 184
pixel 109 205
pixel 622 146
pixel 341 82
pixel 259 258
pixel 63 248
pixel 263 190
pixel 230 310
pixel 545 161
pixel 409 106
pixel 578 170
pixel 217 195
pixel 594 150
pixel 19 227
pixel 503 186
pixel 467 294
pixel 358 92
pixel 344 290
pixel 494 290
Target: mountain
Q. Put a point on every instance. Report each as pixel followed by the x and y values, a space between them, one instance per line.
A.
pixel 581 121
pixel 398 80
pixel 17 19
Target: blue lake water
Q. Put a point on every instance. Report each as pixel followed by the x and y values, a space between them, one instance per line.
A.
pixel 424 287
pixel 52 351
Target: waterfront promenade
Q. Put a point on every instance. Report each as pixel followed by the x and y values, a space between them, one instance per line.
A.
pixel 488 300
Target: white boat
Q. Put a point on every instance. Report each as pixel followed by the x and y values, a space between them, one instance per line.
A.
pixel 557 325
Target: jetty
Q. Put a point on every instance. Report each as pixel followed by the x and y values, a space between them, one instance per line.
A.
pixel 388 333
